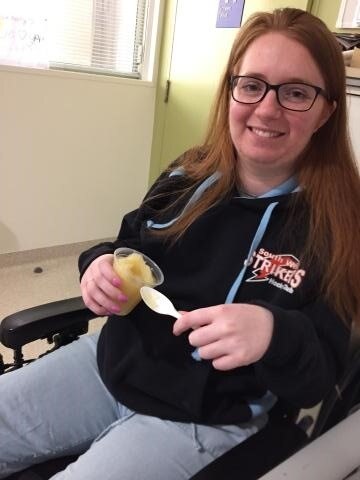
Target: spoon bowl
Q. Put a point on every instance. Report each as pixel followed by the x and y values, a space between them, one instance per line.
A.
pixel 158 302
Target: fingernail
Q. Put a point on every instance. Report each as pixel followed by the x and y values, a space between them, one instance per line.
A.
pixel 116 282
pixel 122 298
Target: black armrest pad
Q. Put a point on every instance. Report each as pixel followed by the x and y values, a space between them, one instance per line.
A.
pixel 42 321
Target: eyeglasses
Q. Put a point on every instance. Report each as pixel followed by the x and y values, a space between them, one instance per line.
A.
pixel 299 97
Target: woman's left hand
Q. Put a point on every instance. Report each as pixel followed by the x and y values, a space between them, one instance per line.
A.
pixel 231 335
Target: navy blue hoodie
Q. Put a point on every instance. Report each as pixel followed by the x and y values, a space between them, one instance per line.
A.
pixel 151 371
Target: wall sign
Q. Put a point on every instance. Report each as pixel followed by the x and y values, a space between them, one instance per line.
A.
pixel 230 13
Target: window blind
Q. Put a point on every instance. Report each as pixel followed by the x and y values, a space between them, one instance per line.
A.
pixel 96 36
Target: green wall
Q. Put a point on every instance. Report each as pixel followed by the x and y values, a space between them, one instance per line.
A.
pixel 160 109
pixel 193 56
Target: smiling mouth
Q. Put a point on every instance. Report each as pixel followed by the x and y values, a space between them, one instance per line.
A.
pixel 266 133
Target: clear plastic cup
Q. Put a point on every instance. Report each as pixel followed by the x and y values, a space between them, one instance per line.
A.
pixel 135 270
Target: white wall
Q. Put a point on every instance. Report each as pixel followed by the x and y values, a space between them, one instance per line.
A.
pixel 74 155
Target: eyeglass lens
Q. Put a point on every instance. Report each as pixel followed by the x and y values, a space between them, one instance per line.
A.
pixel 294 96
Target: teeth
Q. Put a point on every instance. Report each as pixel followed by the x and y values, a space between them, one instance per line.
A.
pixel 265 133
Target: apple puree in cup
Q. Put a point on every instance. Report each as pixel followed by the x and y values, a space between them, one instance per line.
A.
pixel 135 270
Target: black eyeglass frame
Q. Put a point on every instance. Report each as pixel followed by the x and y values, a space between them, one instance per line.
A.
pixel 269 86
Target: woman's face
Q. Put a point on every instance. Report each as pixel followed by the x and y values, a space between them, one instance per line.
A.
pixel 267 137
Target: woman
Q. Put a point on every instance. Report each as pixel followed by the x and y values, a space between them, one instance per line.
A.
pixel 256 232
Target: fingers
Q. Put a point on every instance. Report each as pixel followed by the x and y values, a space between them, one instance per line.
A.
pixel 206 335
pixel 224 353
pixel 231 335
pixel 102 298
pixel 212 345
pixel 100 287
pixel 192 320
pixel 224 363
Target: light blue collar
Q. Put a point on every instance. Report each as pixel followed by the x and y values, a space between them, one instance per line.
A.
pixel 289 186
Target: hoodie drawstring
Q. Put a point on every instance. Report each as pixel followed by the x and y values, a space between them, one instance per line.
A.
pixel 195 438
pixel 256 240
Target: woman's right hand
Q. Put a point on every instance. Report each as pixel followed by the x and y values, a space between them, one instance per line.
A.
pixel 101 287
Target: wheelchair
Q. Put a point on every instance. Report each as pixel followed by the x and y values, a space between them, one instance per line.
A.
pixel 63 321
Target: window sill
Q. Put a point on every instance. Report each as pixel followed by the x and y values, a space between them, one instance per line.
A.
pixel 66 74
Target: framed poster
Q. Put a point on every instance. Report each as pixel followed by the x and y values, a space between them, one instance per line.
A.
pixel 230 13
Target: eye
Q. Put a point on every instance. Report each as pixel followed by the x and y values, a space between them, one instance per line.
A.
pixel 296 93
pixel 250 86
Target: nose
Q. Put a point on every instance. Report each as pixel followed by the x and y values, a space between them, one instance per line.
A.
pixel 269 105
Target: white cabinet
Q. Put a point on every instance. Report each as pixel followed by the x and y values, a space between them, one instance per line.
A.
pixel 354 119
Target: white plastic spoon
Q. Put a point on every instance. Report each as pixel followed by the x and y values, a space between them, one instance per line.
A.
pixel 158 302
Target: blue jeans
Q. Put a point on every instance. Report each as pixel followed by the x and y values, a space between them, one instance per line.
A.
pixel 59 406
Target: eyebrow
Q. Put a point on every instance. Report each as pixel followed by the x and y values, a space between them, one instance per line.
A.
pixel 289 80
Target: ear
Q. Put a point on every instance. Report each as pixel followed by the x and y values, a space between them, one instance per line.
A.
pixel 327 111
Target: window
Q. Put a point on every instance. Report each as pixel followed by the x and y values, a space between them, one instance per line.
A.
pixel 96 36
pixel 349 14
